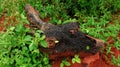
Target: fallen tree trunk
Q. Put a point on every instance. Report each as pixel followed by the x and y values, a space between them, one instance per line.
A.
pixel 68 36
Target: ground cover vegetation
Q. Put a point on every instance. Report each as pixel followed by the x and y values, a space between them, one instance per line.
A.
pixel 18 48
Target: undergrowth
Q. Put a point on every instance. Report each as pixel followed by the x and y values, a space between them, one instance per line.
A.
pixel 20 49
pixel 17 48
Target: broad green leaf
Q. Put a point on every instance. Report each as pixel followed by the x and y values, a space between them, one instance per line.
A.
pixel 78 60
pixel 19 28
pixel 59 22
pixel 42 37
pixel 43 43
pixel 27 38
pixel 46 61
pixel 36 51
pixel 67 63
pixel 32 47
pixel 22 16
pixel 12 28
pixel 37 35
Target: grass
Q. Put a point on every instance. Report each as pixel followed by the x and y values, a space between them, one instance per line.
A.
pixel 95 21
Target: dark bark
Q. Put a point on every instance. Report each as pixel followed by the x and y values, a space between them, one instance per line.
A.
pixel 69 35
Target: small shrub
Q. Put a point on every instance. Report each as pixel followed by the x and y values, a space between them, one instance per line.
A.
pixel 20 49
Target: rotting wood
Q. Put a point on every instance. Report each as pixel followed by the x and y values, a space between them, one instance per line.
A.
pixel 69 36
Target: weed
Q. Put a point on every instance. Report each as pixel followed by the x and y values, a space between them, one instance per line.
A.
pixel 116 61
pixel 64 63
pixel 76 59
pixel 18 48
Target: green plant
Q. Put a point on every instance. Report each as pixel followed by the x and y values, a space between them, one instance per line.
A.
pixel 116 61
pixel 117 45
pixel 19 48
pixel 64 63
pixel 76 59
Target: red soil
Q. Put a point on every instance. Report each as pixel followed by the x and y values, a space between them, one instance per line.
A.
pixel 88 60
pixel 110 40
pixel 2 27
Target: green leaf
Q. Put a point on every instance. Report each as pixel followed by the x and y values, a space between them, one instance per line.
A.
pixel 36 51
pixel 24 48
pixel 42 37
pixel 59 22
pixel 78 60
pixel 43 43
pixel 22 16
pixel 40 65
pixel 76 56
pixel 73 60
pixel 12 28
pixel 39 31
pixel 61 65
pixel 64 62
pixel 28 38
pixel 19 28
pixel 32 47
pixel 67 63
pixel 37 35
pixel 70 20
pixel 45 60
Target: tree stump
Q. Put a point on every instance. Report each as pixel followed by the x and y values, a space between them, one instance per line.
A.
pixel 70 39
